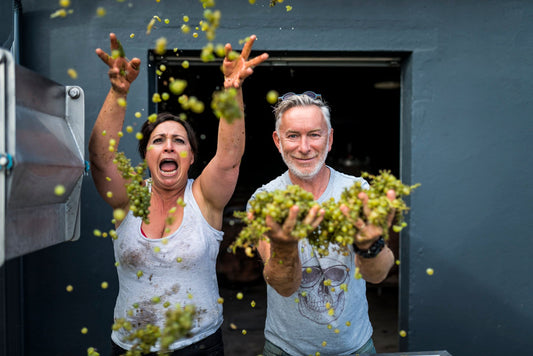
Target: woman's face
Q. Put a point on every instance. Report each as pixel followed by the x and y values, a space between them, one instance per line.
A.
pixel 169 155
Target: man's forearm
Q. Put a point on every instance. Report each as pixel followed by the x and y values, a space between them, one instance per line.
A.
pixel 283 270
pixel 375 270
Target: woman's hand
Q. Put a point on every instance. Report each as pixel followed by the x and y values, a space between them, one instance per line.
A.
pixel 122 72
pixel 236 70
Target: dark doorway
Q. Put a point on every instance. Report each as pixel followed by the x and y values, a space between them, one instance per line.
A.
pixel 363 92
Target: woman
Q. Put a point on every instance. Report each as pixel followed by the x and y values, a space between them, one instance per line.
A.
pixel 170 260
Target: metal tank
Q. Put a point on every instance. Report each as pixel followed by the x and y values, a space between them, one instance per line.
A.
pixel 41 148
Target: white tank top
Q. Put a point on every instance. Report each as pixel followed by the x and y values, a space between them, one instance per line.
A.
pixel 183 271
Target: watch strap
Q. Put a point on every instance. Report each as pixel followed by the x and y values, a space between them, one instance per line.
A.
pixel 373 250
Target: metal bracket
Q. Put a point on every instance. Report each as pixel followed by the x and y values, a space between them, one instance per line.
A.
pixel 6 162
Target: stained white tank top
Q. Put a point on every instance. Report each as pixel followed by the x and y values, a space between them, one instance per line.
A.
pixel 178 269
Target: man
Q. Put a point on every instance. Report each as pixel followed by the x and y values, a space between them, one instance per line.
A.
pixel 316 304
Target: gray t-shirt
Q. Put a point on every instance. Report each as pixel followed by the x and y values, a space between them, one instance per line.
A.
pixel 332 320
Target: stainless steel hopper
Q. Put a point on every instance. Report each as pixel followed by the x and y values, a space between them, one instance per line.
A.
pixel 41 147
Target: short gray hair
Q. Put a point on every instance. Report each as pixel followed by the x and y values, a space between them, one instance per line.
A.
pixel 300 100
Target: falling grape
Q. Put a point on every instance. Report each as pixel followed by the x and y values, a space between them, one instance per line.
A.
pixel 91 351
pixel 59 190
pixel 272 97
pixel 160 45
pixel 100 11
pixel 177 86
pixel 72 73
pixel 119 214
pixel 59 13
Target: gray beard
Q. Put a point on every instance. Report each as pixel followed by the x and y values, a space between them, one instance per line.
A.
pixel 302 175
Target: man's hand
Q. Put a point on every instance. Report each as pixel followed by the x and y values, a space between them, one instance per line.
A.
pixel 236 70
pixel 122 72
pixel 282 234
pixel 368 233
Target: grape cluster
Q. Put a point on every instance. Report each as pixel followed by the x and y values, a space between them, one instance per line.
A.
pixel 178 323
pixel 138 193
pixel 336 228
pixel 275 204
pixel 225 105
pixel 378 200
pixel 340 229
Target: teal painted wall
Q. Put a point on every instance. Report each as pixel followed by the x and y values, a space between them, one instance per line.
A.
pixel 467 136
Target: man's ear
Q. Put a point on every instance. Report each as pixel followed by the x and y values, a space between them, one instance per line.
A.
pixel 275 137
pixel 330 139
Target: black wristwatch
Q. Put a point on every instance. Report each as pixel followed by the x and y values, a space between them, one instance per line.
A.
pixel 372 250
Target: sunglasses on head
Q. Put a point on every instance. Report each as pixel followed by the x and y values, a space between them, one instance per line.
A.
pixel 308 93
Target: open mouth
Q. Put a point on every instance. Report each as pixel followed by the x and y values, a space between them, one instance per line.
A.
pixel 168 166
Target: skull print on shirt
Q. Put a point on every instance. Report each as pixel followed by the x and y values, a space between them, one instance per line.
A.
pixel 315 297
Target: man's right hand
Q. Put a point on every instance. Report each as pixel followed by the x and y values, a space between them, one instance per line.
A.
pixel 282 234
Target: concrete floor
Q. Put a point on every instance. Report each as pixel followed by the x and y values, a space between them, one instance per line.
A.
pixel 239 315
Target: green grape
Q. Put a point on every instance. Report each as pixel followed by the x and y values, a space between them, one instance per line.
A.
pixel 272 96
pixel 138 194
pixel 177 86
pixel 59 190
pixel 156 299
pixel 91 351
pixel 225 105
